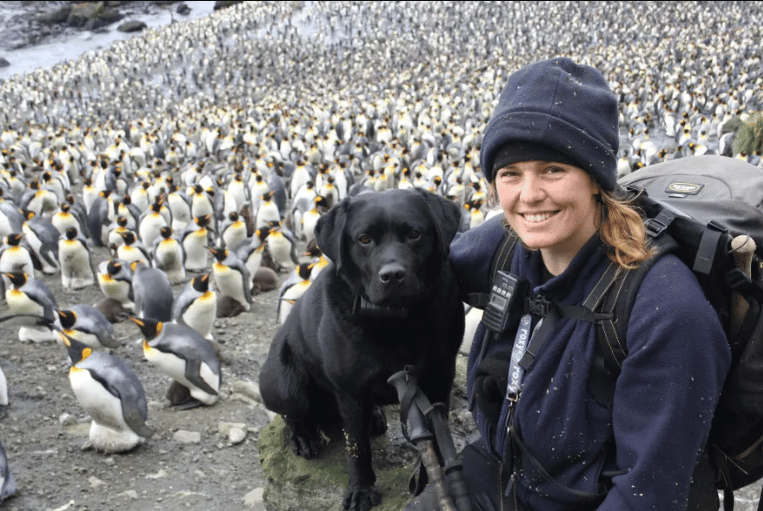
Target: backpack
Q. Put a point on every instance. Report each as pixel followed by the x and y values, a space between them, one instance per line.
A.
pixel 693 207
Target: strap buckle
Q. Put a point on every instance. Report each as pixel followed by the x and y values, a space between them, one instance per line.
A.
pixel 538 306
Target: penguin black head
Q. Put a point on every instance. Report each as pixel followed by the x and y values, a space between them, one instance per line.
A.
pixel 13 239
pixel 17 278
pixel 122 221
pixel 219 253
pixel 200 283
pixel 262 233
pixel 71 233
pixel 166 232
pixel 78 351
pixel 304 270
pixel 156 207
pixel 203 221
pixel 113 267
pixel 233 216
pixel 128 236
pixel 148 326
pixel 313 250
pixel 67 317
pixel 66 207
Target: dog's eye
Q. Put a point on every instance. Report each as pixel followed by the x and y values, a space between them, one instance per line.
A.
pixel 414 235
pixel 364 239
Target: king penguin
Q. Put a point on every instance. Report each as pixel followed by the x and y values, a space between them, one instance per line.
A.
pixel 152 292
pixel 32 296
pixel 115 281
pixel 292 288
pixel 7 484
pixel 76 262
pixel 108 389
pixel 168 255
pixel 196 306
pixel 184 355
pixel 195 240
pixel 88 325
pixel 231 277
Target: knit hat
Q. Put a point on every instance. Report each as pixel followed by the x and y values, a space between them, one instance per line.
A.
pixel 555 110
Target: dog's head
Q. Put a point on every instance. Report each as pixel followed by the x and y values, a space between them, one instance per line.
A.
pixel 389 246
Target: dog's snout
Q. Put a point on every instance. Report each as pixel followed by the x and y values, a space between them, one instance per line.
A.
pixel 391 274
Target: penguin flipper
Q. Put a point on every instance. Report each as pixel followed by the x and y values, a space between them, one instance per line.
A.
pixel 193 373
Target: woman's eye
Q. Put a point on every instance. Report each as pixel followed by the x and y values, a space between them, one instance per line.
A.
pixel 414 235
pixel 364 239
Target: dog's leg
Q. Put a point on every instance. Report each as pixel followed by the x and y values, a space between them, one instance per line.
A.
pixel 288 391
pixel 361 494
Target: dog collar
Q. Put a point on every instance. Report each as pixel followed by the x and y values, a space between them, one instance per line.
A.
pixel 366 308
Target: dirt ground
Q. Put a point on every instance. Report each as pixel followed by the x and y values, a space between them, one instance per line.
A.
pixel 191 462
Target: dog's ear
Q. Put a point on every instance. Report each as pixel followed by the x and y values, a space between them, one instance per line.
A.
pixel 329 232
pixel 447 217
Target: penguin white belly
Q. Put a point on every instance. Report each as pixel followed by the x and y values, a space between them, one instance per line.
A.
pixel 74 259
pixel 230 283
pixel 308 225
pixel 116 289
pixel 150 229
pixel 108 432
pixel 289 298
pixel 280 249
pixel 196 252
pixel 91 340
pixel 252 262
pixel 201 313
pixel 16 259
pixel 19 303
pixel 233 236
pixel 174 367
pixel 130 254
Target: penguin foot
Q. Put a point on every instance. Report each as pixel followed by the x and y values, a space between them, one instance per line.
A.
pixel 3 411
pixel 180 398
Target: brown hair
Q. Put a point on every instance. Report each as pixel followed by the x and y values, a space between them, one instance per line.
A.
pixel 620 225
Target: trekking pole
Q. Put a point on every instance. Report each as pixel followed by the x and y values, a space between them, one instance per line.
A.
pixel 415 429
pixel 450 482
pixel 743 247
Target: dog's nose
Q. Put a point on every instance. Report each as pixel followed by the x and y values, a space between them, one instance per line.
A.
pixel 391 274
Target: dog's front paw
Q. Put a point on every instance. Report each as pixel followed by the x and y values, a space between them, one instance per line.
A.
pixel 361 499
pixel 305 441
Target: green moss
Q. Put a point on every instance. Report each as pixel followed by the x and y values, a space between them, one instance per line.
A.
pixel 297 484
pixel 749 137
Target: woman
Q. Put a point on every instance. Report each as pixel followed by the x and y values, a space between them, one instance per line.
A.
pixel 549 154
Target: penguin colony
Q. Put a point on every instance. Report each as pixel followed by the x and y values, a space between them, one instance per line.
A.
pixel 199 156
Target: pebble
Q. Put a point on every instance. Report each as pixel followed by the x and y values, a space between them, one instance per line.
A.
pixel 187 437
pixel 254 498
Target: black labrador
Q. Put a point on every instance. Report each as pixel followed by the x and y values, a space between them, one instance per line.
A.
pixel 389 299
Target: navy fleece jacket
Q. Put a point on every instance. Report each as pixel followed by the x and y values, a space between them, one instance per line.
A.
pixel 664 398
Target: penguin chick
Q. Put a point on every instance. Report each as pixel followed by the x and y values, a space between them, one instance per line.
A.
pixel 112 394
pixel 184 355
pixel 196 306
pixel 89 326
pixel 152 292
pixel 231 277
pixel 75 260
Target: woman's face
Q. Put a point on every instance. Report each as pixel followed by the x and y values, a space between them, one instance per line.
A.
pixel 551 206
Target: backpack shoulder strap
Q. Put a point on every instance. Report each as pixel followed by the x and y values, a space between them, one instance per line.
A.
pixel 501 261
pixel 613 310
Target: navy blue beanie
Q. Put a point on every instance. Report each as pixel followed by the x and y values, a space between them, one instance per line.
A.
pixel 562 106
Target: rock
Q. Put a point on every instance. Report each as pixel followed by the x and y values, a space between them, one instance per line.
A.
pixel 58 16
pixel 183 9
pixel 187 437
pixel 222 4
pixel 4 63
pixel 295 483
pixel 67 420
pixel 131 26
pixel 95 482
pixel 254 498
pixel 236 435
pixel 80 14
pixel 248 389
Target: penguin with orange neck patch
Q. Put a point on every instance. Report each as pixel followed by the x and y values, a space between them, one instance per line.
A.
pixel 110 391
pixel 196 306
pixel 184 355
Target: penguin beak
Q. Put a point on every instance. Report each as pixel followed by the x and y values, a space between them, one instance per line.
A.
pixel 136 321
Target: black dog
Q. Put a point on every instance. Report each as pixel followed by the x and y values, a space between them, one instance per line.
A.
pixel 388 300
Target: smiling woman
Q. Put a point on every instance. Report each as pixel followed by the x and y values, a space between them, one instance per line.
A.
pixel 547 435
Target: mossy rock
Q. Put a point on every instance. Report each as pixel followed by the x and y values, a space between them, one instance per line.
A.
pixel 298 484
